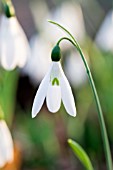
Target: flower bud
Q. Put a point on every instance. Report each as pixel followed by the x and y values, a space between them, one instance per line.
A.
pixel 8 9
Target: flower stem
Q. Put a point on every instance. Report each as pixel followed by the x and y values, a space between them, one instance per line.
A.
pixel 1 114
pixel 100 113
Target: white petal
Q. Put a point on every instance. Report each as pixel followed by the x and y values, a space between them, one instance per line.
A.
pixel 41 94
pixel 7 45
pixel 2 162
pixel 6 144
pixel 67 96
pixel 55 72
pixel 53 98
pixel 22 46
pixel 13 45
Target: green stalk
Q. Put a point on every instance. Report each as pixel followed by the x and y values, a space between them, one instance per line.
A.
pixel 100 114
pixel 1 114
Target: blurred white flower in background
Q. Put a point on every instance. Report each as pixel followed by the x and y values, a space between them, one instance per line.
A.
pixel 104 38
pixel 75 70
pixel 6 144
pixel 70 16
pixel 39 60
pixel 14 47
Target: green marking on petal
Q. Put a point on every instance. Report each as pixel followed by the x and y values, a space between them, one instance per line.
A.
pixel 55 81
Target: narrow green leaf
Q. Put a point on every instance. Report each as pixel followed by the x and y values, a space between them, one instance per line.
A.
pixel 81 154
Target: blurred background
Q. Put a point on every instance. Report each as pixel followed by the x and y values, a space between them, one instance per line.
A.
pixel 41 143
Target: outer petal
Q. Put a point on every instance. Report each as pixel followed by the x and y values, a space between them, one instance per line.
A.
pixel 7 44
pixel 2 161
pixel 53 98
pixel 41 94
pixel 14 45
pixel 6 144
pixel 67 96
pixel 22 45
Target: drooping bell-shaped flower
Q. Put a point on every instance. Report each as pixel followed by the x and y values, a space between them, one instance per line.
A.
pixel 14 48
pixel 6 144
pixel 54 87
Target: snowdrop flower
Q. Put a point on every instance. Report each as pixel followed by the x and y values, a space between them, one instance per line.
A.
pixel 54 87
pixel 104 38
pixel 6 144
pixel 14 48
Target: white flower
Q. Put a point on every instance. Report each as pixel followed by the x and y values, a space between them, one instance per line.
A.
pixel 53 87
pixel 104 38
pixel 72 20
pixel 6 144
pixel 14 48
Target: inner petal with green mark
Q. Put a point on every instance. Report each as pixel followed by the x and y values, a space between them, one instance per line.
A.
pixel 55 81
